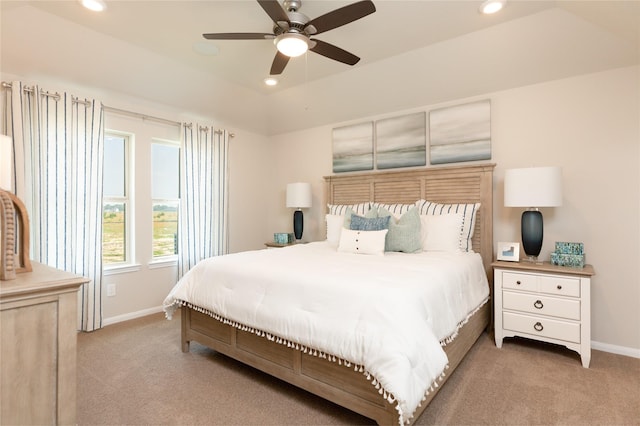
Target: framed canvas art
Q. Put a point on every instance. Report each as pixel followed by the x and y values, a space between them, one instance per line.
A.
pixel 353 147
pixel 401 141
pixel 460 133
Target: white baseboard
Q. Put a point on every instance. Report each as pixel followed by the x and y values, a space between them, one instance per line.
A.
pixel 130 316
pixel 615 349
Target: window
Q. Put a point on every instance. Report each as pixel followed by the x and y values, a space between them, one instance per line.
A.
pixel 165 171
pixel 116 207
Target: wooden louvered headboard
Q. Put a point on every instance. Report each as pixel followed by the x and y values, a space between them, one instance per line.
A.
pixel 452 184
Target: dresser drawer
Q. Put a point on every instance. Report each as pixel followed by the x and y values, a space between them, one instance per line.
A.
pixel 545 327
pixel 542 305
pixel 549 284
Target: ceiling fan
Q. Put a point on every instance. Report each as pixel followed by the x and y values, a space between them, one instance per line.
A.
pixel 292 31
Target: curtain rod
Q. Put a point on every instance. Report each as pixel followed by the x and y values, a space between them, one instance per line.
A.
pixel 56 96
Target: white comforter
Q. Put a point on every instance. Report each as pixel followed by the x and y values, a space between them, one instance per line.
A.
pixel 387 313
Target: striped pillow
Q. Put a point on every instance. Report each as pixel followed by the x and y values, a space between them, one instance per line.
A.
pixel 468 210
pixel 341 209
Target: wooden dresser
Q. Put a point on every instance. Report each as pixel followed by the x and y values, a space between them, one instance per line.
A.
pixel 38 331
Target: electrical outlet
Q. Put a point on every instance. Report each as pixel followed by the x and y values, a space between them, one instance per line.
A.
pixel 111 290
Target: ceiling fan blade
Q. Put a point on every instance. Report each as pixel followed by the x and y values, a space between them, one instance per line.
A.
pixel 274 10
pixel 279 62
pixel 341 16
pixel 238 36
pixel 334 52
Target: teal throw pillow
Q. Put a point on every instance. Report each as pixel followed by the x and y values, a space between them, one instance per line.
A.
pixel 404 233
pixel 373 212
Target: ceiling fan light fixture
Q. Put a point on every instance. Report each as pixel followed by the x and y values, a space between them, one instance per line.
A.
pixel 492 6
pixel 270 81
pixel 292 44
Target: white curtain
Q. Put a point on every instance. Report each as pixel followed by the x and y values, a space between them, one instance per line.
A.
pixel 58 145
pixel 203 195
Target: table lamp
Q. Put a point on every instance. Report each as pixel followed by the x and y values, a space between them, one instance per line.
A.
pixel 532 187
pixel 298 197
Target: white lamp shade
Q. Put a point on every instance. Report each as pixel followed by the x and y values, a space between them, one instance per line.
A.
pixel 299 195
pixel 533 187
pixel 6 162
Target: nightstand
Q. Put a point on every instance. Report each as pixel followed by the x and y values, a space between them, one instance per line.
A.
pixel 544 302
pixel 271 244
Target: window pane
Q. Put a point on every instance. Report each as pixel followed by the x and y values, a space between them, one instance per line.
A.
pixel 114 166
pixel 113 233
pixel 165 229
pixel 166 171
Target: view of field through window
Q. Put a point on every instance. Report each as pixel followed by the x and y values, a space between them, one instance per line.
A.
pixel 113 233
pixel 115 201
pixel 165 192
pixel 165 232
pixel 165 229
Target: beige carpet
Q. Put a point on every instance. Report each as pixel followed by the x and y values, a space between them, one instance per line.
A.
pixel 135 373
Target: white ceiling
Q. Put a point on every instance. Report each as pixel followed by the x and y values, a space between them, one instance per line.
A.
pixel 146 49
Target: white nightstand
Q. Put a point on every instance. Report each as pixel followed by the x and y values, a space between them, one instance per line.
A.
pixel 544 302
pixel 271 244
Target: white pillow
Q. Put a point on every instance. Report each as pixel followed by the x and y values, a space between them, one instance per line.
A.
pixel 468 210
pixel 441 232
pixel 362 242
pixel 334 228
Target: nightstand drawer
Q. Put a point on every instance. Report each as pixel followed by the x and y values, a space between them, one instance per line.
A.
pixel 544 327
pixel 517 281
pixel 549 284
pixel 559 286
pixel 543 305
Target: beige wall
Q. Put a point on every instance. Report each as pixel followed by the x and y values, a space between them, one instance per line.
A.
pixel 589 126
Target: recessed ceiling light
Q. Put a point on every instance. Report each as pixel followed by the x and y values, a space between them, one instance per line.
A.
pixel 95 5
pixel 270 81
pixel 492 6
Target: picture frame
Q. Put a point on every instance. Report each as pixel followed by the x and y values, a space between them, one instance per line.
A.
pixel 509 251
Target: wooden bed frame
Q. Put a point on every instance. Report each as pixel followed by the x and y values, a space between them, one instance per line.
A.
pixel 330 380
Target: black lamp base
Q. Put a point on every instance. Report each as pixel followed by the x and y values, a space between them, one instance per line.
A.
pixel 532 233
pixel 297 224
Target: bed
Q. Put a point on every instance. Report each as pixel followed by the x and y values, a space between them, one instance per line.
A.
pixel 336 374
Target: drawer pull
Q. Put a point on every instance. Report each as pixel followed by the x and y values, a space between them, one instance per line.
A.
pixel 518 282
pixel 538 304
pixel 559 287
pixel 538 327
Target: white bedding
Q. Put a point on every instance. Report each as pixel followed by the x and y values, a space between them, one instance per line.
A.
pixel 364 309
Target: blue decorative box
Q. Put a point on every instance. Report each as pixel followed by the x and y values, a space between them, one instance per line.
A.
pixel 283 238
pixel 569 248
pixel 564 259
